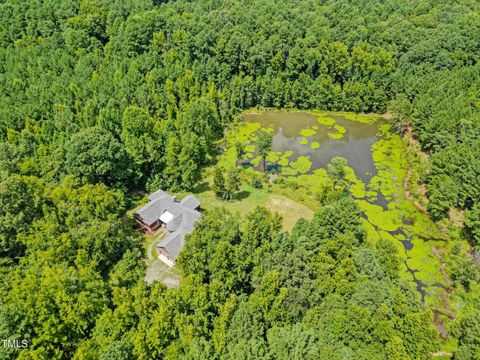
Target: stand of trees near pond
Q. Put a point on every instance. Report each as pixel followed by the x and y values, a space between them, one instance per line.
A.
pixel 102 98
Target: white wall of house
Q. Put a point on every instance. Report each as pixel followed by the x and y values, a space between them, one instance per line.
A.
pixel 165 259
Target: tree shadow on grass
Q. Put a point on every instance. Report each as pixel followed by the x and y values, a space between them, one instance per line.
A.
pixel 200 188
pixel 242 195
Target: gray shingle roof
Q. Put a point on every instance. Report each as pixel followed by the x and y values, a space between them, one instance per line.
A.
pixel 159 203
pixel 157 194
pixel 174 242
pixel 190 202
pixel 184 217
pixel 152 211
pixel 175 223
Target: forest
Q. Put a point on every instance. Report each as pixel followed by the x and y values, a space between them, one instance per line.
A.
pixel 103 101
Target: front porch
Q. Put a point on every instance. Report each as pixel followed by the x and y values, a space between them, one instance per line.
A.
pixel 152 229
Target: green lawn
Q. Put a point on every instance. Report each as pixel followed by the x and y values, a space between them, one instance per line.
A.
pixel 249 198
pixel 150 242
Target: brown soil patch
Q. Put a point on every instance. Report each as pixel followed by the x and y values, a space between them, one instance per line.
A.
pixel 457 216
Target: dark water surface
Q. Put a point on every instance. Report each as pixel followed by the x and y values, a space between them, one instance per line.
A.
pixel 355 145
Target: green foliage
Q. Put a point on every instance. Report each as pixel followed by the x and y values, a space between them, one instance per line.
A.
pixel 94 154
pixel 226 184
pixel 133 95
pixel 387 254
pixel 20 204
pixel 182 161
pixel 337 171
pixel 446 122
pixel 472 222
pixel 232 183
pixel 442 194
pixel 141 137
pixel 257 182
pixel 466 330
pixel 240 150
pixel 264 146
pixel 218 181
pixel 201 119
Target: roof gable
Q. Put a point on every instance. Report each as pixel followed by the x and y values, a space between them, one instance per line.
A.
pixel 190 202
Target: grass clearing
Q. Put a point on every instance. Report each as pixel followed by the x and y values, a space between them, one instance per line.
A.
pixel 249 198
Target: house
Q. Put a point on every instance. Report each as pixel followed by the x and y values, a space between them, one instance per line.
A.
pixel 177 217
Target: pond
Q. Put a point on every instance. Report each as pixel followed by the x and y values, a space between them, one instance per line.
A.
pixel 320 138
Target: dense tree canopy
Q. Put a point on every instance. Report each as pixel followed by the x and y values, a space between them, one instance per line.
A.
pixel 102 99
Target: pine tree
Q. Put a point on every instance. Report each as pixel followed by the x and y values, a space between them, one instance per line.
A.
pixel 264 144
pixel 218 182
pixel 232 183
pixel 240 151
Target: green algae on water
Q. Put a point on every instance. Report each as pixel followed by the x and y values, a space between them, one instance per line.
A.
pixel 284 158
pixel 357 187
pixel 340 129
pixel 325 121
pixel 339 134
pixel 256 161
pixel 382 219
pixel 243 132
pixel 283 161
pixel 314 182
pixel 302 164
pixel 273 157
pixel 362 118
pixel 228 158
pixel 307 132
